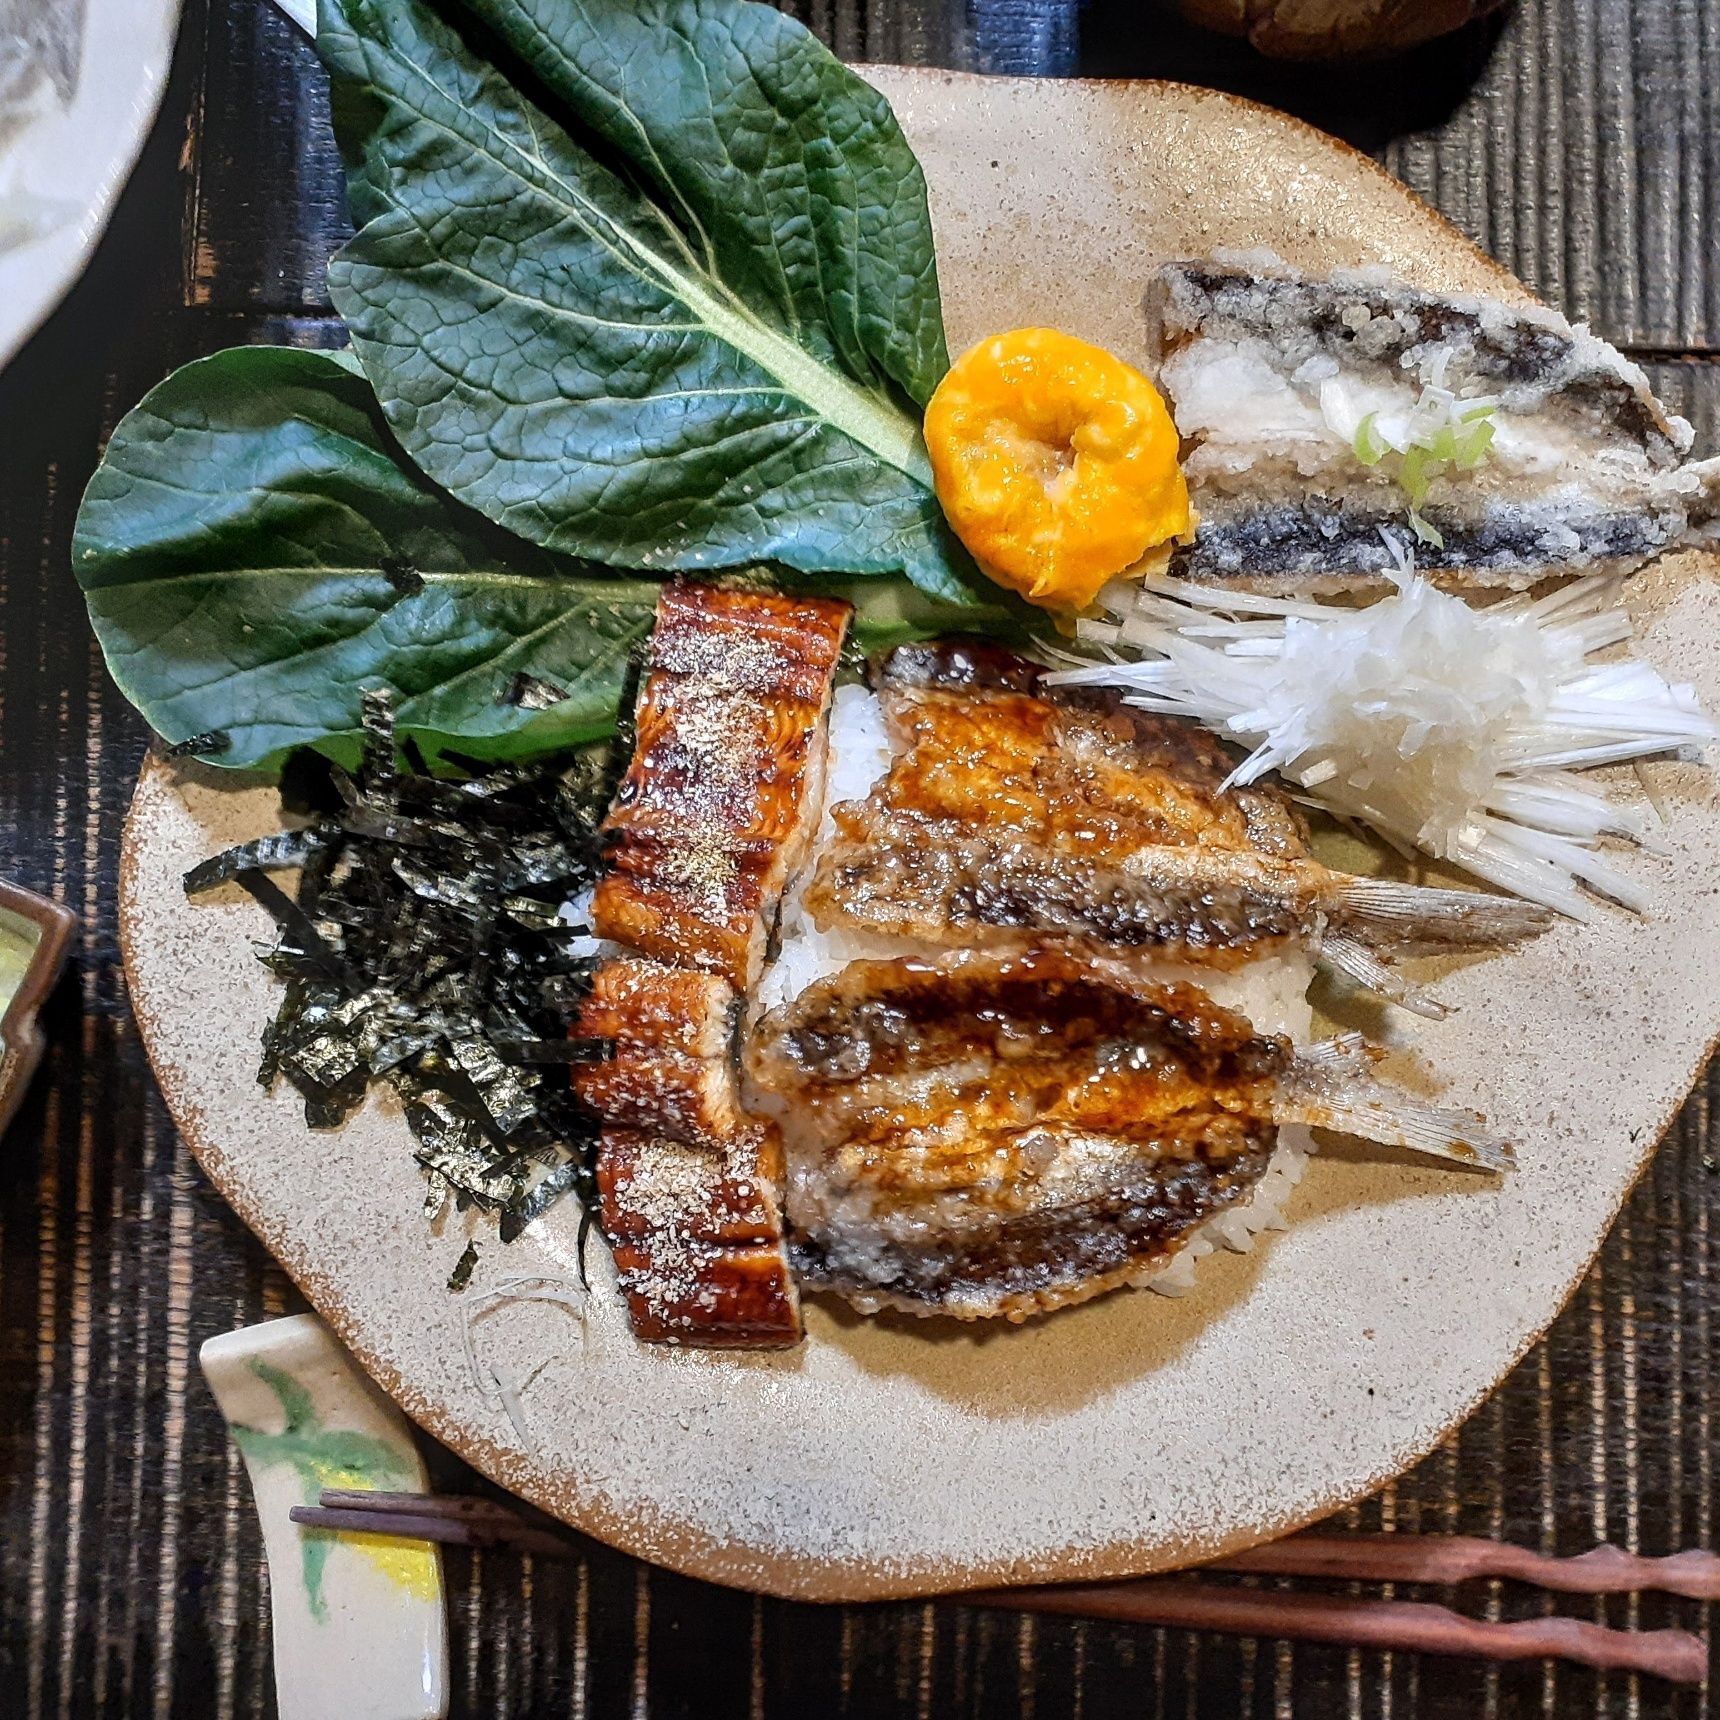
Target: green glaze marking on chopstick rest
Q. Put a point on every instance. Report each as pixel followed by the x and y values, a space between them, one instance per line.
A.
pixel 359 1619
pixel 331 1457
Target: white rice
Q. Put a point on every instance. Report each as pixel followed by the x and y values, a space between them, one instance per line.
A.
pixel 859 754
pixel 576 911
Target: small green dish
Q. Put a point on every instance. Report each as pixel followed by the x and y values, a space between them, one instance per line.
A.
pixel 35 936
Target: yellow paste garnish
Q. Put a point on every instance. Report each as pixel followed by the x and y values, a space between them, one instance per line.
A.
pixel 1055 462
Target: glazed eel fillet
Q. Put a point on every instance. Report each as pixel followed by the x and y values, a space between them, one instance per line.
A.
pixel 1542 449
pixel 689 1187
pixel 999 1134
pixel 726 786
pixel 722 796
pixel 1011 813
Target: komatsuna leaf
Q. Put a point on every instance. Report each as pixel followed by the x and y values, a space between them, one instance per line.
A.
pixel 890 612
pixel 715 354
pixel 256 552
pixel 787 172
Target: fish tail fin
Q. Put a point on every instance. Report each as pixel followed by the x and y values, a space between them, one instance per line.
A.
pixel 1330 1086
pixel 1362 967
pixel 1383 912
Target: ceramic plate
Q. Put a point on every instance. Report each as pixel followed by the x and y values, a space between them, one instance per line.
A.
pixel 80 82
pixel 1137 1433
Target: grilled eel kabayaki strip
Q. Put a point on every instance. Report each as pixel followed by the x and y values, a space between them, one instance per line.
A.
pixel 687 1184
pixel 1011 812
pixel 726 786
pixel 714 815
pixel 999 1134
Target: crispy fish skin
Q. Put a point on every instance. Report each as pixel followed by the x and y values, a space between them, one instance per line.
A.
pixel 688 1184
pixel 997 1136
pixel 1268 372
pixel 1320 547
pixel 906 878
pixel 724 789
pixel 1009 815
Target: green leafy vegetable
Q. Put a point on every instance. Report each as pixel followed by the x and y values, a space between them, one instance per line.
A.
pixel 255 551
pixel 694 329
pixel 717 353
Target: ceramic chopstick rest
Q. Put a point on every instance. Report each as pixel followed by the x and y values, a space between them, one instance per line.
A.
pixel 360 1628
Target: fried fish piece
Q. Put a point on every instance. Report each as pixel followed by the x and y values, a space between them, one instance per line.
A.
pixel 1010 813
pixel 689 1186
pixel 725 787
pixel 990 1134
pixel 1529 446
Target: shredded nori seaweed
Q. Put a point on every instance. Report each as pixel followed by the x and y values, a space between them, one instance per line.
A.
pixel 402 575
pixel 285 849
pixel 532 693
pixel 461 1276
pixel 426 948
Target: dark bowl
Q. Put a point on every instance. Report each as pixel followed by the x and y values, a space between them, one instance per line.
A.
pixel 43 931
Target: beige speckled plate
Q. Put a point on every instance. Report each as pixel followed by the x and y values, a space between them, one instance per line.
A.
pixel 1133 1434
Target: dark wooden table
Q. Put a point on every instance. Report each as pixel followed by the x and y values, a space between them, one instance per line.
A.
pixel 1580 142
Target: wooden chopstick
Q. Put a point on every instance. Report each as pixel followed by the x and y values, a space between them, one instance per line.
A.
pixel 502 1514
pixel 452 1519
pixel 1388 1558
pixel 1459 1558
pixel 1417 1626
pixel 448 1531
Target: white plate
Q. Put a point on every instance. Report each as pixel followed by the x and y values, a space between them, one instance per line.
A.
pixel 68 147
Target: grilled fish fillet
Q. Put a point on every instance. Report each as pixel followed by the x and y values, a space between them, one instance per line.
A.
pixel 688 1185
pixel 697 1239
pixel 1010 814
pixel 1271 376
pixel 990 1134
pixel 726 783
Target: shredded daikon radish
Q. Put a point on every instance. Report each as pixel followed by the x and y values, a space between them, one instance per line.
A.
pixel 1453 728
